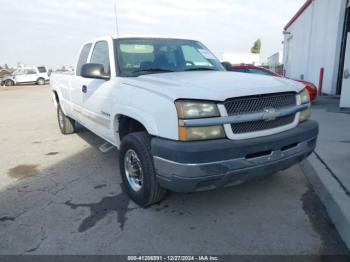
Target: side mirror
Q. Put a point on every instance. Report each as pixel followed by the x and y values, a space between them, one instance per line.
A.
pixel 95 71
pixel 227 65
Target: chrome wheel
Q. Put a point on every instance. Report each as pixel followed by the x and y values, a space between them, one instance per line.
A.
pixel 9 83
pixel 60 118
pixel 133 170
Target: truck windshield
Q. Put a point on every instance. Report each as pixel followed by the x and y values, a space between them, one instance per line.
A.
pixel 140 56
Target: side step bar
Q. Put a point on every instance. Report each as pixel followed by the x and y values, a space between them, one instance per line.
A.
pixel 106 147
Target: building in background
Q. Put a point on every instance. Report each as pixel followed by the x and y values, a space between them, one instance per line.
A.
pixel 275 62
pixel 241 58
pixel 317 46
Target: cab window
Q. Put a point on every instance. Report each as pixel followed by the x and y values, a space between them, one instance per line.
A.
pixel 19 72
pixel 83 57
pixel 100 55
pixel 30 71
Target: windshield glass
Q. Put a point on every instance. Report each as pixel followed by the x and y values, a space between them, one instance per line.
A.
pixel 148 56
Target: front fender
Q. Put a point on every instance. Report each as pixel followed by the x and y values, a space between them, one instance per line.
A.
pixel 157 115
pixel 155 112
pixel 145 119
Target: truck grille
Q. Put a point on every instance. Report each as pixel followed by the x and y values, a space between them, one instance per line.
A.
pixel 257 103
pixel 247 127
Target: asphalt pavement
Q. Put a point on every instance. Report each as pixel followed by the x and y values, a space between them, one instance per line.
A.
pixel 61 195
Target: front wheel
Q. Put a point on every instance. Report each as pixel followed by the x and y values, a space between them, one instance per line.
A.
pixel 137 170
pixel 66 124
pixel 9 82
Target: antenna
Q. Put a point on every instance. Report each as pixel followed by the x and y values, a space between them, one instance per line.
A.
pixel 116 17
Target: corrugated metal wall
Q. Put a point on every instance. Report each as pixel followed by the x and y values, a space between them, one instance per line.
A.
pixel 313 41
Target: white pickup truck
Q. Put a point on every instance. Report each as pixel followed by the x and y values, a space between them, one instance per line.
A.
pixel 180 121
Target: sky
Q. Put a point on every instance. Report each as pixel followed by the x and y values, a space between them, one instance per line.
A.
pixel 50 32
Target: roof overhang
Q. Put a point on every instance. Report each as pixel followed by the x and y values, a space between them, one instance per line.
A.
pixel 299 13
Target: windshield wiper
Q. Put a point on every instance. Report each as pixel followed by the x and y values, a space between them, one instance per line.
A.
pixel 153 70
pixel 200 69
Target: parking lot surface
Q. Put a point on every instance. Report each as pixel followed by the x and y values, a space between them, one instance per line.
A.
pixel 61 195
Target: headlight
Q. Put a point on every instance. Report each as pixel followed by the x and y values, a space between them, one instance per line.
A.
pixel 304 99
pixel 196 109
pixel 304 96
pixel 201 133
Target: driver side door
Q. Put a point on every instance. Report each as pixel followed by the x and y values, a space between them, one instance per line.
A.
pixel 96 98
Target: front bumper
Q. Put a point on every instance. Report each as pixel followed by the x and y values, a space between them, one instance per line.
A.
pixel 204 165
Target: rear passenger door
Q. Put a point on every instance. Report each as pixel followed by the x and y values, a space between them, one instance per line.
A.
pixel 31 75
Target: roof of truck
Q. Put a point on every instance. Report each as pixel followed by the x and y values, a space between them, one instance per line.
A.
pixel 151 36
pixel 136 36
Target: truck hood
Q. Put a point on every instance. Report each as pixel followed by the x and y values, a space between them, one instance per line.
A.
pixel 212 85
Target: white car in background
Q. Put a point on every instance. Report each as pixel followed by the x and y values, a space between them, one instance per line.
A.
pixel 27 75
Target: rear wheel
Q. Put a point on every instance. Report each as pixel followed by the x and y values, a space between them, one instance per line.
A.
pixel 137 170
pixel 66 124
pixel 9 82
pixel 40 81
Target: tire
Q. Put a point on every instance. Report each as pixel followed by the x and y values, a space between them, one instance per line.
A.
pixel 65 123
pixel 9 82
pixel 40 81
pixel 148 191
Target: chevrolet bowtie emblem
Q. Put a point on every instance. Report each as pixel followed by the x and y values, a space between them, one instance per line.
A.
pixel 270 114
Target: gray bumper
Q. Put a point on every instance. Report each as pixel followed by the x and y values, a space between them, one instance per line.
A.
pixel 204 165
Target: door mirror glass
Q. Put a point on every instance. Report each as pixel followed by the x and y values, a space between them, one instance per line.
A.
pixel 95 71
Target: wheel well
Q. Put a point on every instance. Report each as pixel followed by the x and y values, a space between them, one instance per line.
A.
pixel 56 97
pixel 128 125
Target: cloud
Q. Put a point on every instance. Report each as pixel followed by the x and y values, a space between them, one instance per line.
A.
pixel 50 32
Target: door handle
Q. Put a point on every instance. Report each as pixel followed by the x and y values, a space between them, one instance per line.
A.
pixel 84 89
pixel 346 73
